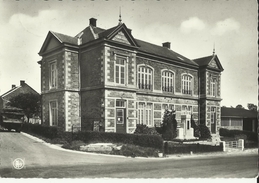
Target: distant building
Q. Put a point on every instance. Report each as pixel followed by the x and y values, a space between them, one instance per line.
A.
pixel 107 79
pixel 239 119
pixel 14 91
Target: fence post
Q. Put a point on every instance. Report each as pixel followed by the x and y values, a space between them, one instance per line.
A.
pixel 224 146
pixel 241 144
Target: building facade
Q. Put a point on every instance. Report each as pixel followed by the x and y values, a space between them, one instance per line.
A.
pixel 108 80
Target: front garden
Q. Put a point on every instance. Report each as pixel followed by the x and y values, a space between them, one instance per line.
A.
pixel 145 142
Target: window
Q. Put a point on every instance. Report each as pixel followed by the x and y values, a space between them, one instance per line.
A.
pixel 120 103
pixel 145 78
pixel 213 115
pixel 213 87
pixel 53 113
pixel 186 84
pixel 167 81
pixel 145 114
pixel 120 70
pixel 53 75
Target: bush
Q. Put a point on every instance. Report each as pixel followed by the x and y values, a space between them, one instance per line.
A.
pixel 172 148
pixel 143 129
pixel 252 136
pixel 153 141
pixel 44 131
pixel 75 145
pixel 196 129
pixel 168 128
pixel 133 151
pixel 204 131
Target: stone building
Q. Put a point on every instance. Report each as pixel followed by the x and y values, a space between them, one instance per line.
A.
pixel 109 80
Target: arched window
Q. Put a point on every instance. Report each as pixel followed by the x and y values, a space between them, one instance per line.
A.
pixel 167 81
pixel 187 84
pixel 145 78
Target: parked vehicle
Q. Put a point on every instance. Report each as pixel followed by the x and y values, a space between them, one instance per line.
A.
pixel 12 118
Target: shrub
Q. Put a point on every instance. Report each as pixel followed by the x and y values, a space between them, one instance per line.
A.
pixel 44 131
pixel 172 148
pixel 75 145
pixel 232 133
pixel 204 131
pixel 168 127
pixel 154 141
pixel 143 129
pixel 196 129
pixel 133 151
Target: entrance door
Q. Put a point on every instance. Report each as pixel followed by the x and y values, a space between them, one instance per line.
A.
pixel 121 120
pixel 213 120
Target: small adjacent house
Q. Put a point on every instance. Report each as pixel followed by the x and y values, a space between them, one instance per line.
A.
pixel 109 80
pixel 239 119
pixel 14 91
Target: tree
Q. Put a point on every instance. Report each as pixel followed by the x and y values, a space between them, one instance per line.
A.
pixel 239 106
pixel 252 107
pixel 28 102
pixel 168 127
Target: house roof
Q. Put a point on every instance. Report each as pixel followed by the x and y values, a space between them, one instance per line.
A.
pixel 162 51
pixel 237 113
pixel 65 38
pixel 91 33
pixel 16 88
pixel 204 61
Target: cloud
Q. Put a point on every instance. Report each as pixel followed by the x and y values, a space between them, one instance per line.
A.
pixel 225 26
pixel 192 24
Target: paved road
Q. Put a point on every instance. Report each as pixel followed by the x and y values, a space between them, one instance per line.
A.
pixel 44 162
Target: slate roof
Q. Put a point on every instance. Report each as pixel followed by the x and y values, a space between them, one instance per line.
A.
pixel 237 113
pixel 65 38
pixel 143 46
pixel 162 51
pixel 204 60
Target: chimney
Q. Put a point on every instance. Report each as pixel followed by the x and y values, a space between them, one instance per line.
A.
pixel 13 86
pixel 167 45
pixel 22 82
pixel 92 21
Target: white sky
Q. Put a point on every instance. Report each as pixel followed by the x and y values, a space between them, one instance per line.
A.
pixel 192 27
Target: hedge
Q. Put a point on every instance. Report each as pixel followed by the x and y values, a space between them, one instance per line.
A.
pixel 44 131
pixel 232 133
pixel 170 148
pixel 154 141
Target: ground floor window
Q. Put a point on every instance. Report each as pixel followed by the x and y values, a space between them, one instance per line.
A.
pixel 145 114
pixel 53 113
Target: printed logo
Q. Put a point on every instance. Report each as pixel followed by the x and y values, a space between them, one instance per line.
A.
pixel 18 163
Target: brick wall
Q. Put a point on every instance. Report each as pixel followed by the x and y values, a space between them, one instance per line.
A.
pixel 178 71
pixel 60 98
pixel 91 108
pixel 72 71
pixel 91 66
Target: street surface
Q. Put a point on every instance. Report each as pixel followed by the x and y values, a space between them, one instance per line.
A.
pixel 42 160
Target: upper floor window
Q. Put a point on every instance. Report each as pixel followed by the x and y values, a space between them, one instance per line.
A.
pixel 213 87
pixel 167 81
pixel 145 78
pixel 187 84
pixel 53 75
pixel 120 70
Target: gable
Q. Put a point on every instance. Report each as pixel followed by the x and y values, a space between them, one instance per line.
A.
pixel 120 37
pixel 53 43
pixel 213 64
